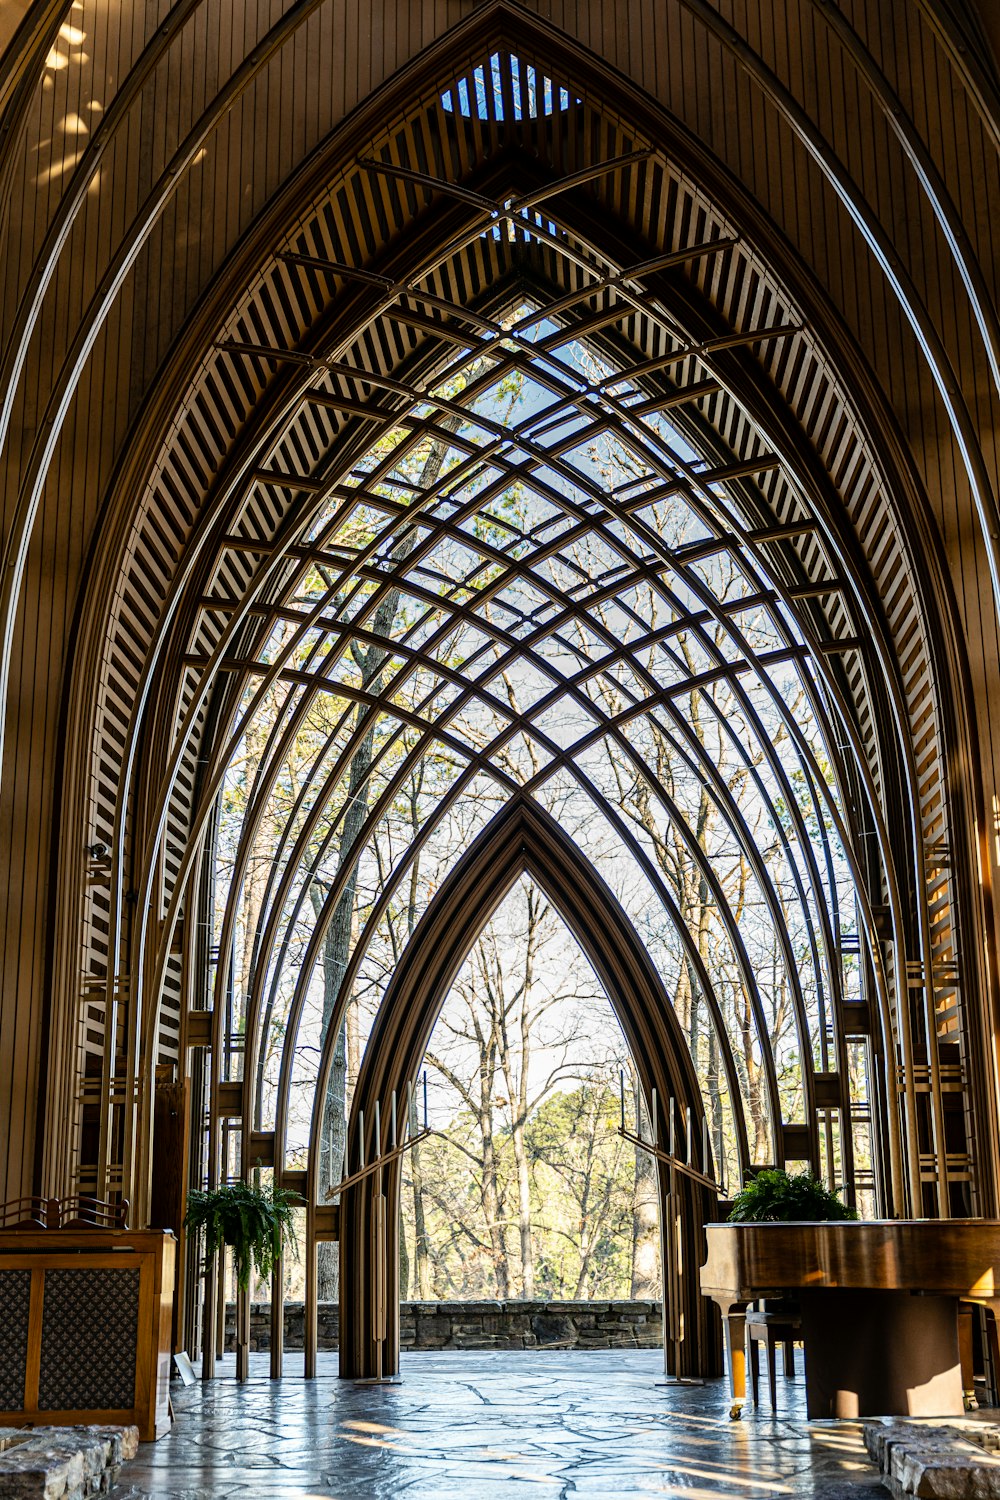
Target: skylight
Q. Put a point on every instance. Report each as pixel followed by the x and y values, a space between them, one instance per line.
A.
pixel 480 95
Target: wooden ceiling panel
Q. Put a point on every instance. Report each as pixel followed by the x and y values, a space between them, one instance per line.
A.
pixel 185 254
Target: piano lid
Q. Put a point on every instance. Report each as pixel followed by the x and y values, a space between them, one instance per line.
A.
pixel 958 1257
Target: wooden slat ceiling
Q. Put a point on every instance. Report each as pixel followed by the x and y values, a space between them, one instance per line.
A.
pixel 305 341
pixel 155 165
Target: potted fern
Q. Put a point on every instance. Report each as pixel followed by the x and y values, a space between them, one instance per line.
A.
pixel 254 1221
pixel 773 1195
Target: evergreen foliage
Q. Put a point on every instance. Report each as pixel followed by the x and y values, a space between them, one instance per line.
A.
pixel 254 1221
pixel 786 1196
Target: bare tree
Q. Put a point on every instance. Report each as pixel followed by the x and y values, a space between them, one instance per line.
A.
pixel 645 1209
pixel 512 1035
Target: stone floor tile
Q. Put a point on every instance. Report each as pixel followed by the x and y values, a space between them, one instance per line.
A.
pixel 474 1425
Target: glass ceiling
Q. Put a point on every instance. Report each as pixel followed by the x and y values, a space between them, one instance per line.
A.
pixel 544 577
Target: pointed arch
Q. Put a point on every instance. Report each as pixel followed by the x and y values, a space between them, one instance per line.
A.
pixel 522 839
pixel 256 358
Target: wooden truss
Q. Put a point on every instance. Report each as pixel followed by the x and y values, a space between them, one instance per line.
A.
pixel 460 236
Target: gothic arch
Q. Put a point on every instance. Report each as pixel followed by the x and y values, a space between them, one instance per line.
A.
pixel 406 231
pixel 522 839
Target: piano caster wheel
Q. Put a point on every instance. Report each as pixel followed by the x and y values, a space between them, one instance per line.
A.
pixel 736 1411
pixel 969 1401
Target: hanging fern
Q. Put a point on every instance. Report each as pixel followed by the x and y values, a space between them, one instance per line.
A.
pixel 254 1221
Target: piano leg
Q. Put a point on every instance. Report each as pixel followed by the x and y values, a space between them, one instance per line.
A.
pixel 753 1353
pixel 965 1354
pixel 789 1357
pixel 992 1352
pixel 734 1323
pixel 772 1373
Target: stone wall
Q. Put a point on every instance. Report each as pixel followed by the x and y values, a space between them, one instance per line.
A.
pixel 482 1325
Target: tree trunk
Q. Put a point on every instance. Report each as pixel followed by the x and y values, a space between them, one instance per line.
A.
pixel 524 1216
pixel 715 1108
pixel 421 1247
pixel 645 1216
pixel 517 1092
pixel 404 1258
pixel 334 1130
pixel 588 1231
pixel 520 1151
pixel 493 1210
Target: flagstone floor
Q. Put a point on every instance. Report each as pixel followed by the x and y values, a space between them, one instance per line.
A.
pixel 484 1425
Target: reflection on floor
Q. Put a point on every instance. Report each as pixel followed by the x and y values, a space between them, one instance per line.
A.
pixel 478 1425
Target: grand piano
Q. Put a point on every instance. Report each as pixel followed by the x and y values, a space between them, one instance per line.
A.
pixel 879 1303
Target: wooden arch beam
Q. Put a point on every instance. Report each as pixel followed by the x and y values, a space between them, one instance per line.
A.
pixel 521 839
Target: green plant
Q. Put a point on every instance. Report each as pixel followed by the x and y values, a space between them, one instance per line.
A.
pixel 255 1221
pixel 774 1194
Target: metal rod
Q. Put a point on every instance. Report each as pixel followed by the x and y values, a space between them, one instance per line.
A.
pixel 361 1138
pixel 671 1161
pixel 426 1127
pixel 378 1131
pixel 652 1119
pixel 383 1161
pixel 621 1080
pixel 392 1121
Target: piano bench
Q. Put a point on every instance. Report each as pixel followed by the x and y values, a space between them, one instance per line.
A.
pixel 772 1329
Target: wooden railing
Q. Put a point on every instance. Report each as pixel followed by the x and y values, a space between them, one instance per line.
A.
pixel 76 1212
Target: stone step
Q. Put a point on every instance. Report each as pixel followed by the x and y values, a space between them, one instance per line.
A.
pixel 63 1463
pixel 957 1461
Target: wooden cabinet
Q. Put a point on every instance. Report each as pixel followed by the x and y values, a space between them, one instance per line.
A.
pixel 85 1321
